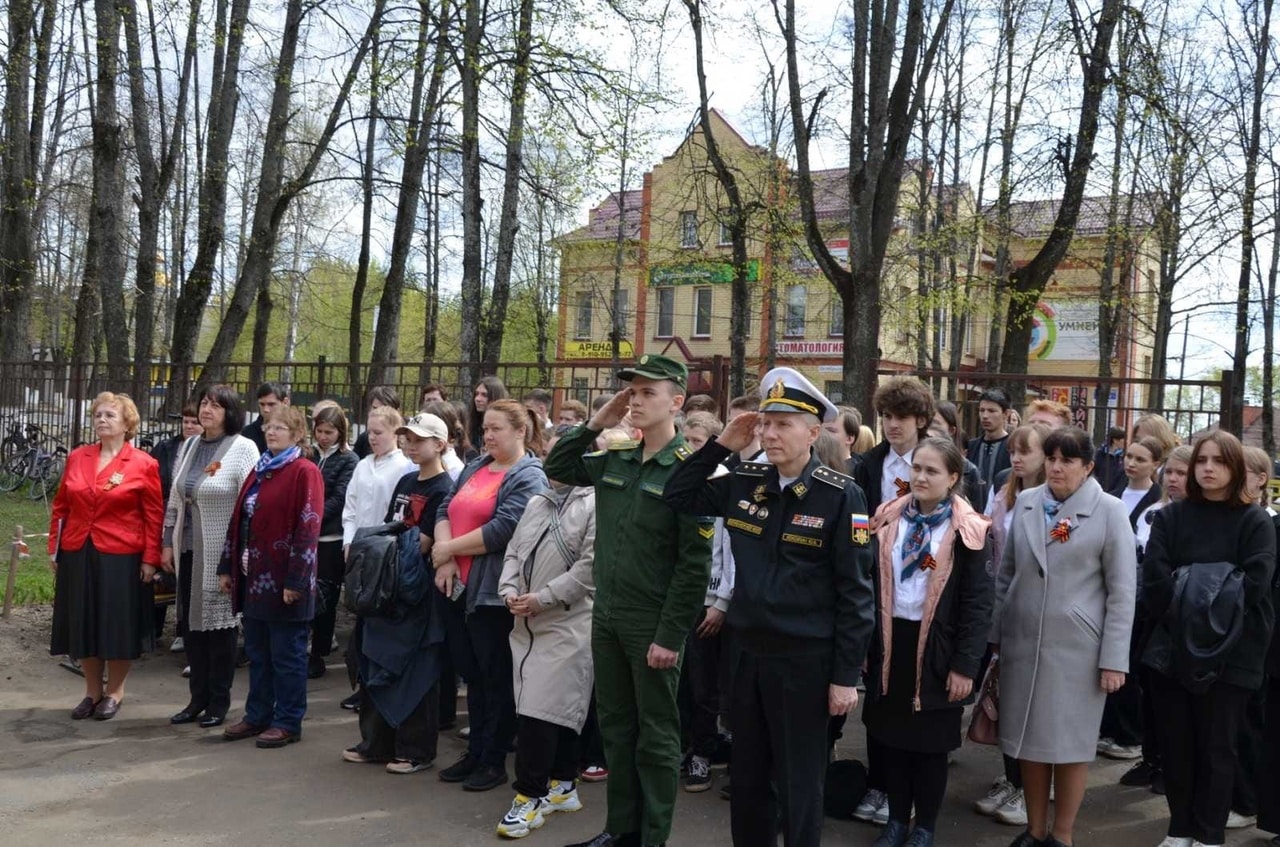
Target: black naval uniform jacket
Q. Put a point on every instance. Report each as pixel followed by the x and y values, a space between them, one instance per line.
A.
pixel 803 555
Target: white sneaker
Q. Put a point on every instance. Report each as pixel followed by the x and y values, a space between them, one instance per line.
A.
pixel 563 797
pixel 1105 744
pixel 870 804
pixel 1237 821
pixel 1000 791
pixel 525 816
pixel 1121 751
pixel 177 646
pixel 1202 844
pixel 1014 810
pixel 1170 841
pixel 881 817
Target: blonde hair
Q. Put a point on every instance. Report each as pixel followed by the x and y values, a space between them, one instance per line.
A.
pixel 1256 460
pixel 128 411
pixel 1158 428
pixel 294 418
pixel 866 440
pixel 1058 410
pixel 1020 439
pixel 704 421
pixel 389 417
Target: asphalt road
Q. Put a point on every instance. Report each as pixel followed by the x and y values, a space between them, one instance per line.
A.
pixel 137 780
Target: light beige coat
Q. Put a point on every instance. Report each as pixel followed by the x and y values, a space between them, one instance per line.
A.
pixel 551 651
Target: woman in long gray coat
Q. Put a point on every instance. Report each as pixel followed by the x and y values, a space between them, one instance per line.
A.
pixel 547 584
pixel 1064 614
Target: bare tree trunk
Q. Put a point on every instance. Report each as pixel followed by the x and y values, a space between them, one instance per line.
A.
pixel 1269 331
pixel 1027 283
pixel 355 327
pixel 422 112
pixel 472 202
pixel 17 239
pixel 508 221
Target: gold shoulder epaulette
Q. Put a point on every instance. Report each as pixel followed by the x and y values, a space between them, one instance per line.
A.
pixel 682 452
pixel 629 444
pixel 752 468
pixel 831 477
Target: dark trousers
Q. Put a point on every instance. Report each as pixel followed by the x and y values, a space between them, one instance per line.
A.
pixel 1198 736
pixel 211 653
pixel 277 652
pixel 1151 738
pixel 414 739
pixel 480 646
pixel 1122 716
pixel 1269 788
pixel 329 571
pixel 590 744
pixel 918 779
pixel 448 691
pixel 700 691
pixel 779 758
pixel 544 751
pixel 1250 759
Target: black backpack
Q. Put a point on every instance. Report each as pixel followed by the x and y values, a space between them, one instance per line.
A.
pixel 373 570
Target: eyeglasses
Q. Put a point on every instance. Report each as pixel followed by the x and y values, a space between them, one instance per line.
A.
pixel 276 428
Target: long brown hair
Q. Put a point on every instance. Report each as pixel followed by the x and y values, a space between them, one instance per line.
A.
pixel 1232 456
pixel 1021 439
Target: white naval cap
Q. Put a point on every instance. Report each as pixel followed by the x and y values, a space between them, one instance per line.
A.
pixel 787 390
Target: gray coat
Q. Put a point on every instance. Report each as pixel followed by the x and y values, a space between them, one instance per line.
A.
pixel 1064 613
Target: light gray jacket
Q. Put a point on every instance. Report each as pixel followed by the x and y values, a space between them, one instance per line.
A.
pixel 1064 613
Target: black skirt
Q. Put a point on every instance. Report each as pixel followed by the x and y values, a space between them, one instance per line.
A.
pixel 892 719
pixel 101 610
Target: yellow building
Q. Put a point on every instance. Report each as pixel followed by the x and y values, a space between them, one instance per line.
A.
pixel 674 293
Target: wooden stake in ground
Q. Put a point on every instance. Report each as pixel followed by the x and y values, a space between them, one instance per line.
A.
pixel 16 548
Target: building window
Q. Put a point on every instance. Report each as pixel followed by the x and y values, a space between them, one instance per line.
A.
pixel 796 297
pixel 726 237
pixel 581 389
pixel 621 312
pixel 666 312
pixel 944 328
pixel 834 389
pixel 688 229
pixel 582 326
pixel 836 313
pixel 702 312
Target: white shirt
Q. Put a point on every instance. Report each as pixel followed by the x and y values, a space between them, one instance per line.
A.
pixel 908 596
pixel 895 467
pixel 452 464
pixel 1131 497
pixel 370 489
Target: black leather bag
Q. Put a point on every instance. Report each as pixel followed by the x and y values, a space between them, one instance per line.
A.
pixel 1206 617
pixel 373 570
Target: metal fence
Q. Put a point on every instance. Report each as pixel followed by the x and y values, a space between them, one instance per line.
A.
pixel 56 396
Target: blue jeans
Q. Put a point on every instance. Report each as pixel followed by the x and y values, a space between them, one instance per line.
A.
pixel 277 652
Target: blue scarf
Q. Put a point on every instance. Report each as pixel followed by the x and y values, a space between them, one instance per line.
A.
pixel 1051 508
pixel 266 464
pixel 920 537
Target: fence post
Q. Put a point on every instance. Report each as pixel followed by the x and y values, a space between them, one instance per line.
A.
pixel 320 376
pixel 15 550
pixel 1227 410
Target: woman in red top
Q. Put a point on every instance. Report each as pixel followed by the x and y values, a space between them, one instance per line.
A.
pixel 104 545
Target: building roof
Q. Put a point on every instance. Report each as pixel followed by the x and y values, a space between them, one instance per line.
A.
pixel 1035 218
pixel 602 221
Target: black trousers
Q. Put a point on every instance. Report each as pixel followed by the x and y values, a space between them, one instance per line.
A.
pixel 918 779
pixel 329 572
pixel 1151 737
pixel 1250 759
pixel 1269 788
pixel 700 691
pixel 1198 735
pixel 480 646
pixel 211 653
pixel 414 739
pixel 779 758
pixel 1122 717
pixel 544 751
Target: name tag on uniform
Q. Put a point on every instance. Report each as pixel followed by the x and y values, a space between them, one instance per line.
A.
pixel 614 481
pixel 805 540
pixel 651 488
pixel 734 523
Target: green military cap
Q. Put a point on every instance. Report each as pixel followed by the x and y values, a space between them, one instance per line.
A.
pixel 654 366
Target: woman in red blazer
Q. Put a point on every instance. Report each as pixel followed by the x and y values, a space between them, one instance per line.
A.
pixel 104 545
pixel 269 567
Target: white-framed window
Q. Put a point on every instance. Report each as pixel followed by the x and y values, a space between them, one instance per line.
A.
pixel 797 296
pixel 835 315
pixel 688 229
pixel 582 322
pixel 666 312
pixel 581 389
pixel 944 328
pixel 834 389
pixel 726 237
pixel 621 312
pixel 702 312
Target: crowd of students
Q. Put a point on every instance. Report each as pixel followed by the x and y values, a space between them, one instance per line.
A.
pixel 642 590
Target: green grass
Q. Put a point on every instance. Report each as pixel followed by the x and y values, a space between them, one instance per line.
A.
pixel 35 581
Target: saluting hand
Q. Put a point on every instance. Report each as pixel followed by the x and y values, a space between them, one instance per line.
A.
pixel 841 699
pixel 611 413
pixel 740 432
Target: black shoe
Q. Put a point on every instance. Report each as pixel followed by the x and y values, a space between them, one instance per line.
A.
pixel 1138 776
pixel 315 667
pixel 352 703
pixel 724 792
pixel 242 658
pixel 190 714
pixel 1157 783
pixel 1025 840
pixel 210 721
pixel 460 770
pixel 485 777
pixel 894 834
pixel 604 839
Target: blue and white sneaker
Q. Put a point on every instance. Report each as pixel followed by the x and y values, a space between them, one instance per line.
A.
pixel 525 816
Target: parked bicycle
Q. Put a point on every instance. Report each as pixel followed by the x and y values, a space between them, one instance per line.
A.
pixel 41 465
pixel 15 441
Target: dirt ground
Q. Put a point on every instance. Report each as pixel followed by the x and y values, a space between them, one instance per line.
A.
pixel 139 780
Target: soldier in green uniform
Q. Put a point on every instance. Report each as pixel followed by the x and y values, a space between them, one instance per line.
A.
pixel 651 570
